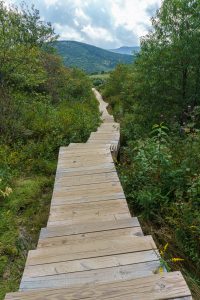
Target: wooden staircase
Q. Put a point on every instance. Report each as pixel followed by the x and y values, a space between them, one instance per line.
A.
pixel 92 248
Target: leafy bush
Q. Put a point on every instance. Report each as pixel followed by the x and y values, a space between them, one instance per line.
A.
pixel 160 170
pixel 43 106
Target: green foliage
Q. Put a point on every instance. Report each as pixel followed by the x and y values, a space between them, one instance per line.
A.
pixel 164 186
pixel 99 80
pixel 22 215
pixel 160 165
pixel 89 58
pixel 43 105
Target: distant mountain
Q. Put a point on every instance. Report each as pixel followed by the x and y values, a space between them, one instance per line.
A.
pixel 126 50
pixel 89 58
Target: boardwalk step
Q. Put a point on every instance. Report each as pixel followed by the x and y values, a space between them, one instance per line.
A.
pixel 154 287
pixel 90 264
pixel 85 228
pixel 88 180
pixel 101 275
pixel 89 171
pixel 76 213
pixel 64 240
pixel 89 249
pixel 115 185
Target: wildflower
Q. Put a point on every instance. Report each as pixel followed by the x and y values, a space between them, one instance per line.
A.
pixel 7 192
pixel 165 247
pixel 176 259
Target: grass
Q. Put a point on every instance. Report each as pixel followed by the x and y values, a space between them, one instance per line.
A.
pixel 100 76
pixel 21 217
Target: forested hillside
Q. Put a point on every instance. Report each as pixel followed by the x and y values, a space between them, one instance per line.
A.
pixel 126 50
pixel 43 105
pixel 90 58
pixel 157 100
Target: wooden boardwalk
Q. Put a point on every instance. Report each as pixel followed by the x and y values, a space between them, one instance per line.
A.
pixel 92 248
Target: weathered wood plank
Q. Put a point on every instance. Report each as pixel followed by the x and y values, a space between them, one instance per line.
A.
pixel 101 218
pixel 108 195
pixel 69 190
pixel 87 209
pixel 93 171
pixel 86 179
pixel 101 166
pixel 154 287
pixel 90 249
pixel 85 164
pixel 94 189
pixel 64 240
pixel 106 275
pixel 85 228
pixel 90 264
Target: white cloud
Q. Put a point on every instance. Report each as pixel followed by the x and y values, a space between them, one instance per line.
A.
pixel 49 3
pixel 68 33
pixel 133 14
pixel 105 23
pixel 97 33
pixel 79 14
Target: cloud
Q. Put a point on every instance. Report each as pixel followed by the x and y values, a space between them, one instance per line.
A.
pixel 97 33
pixel 104 23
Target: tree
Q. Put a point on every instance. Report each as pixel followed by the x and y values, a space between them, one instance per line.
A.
pixel 168 69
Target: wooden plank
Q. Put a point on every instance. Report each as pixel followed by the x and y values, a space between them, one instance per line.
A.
pixel 64 240
pixel 93 208
pixel 66 173
pixel 81 151
pixel 106 275
pixel 85 164
pixel 106 195
pixel 84 155
pixel 114 186
pixel 73 213
pixel 90 249
pixel 75 146
pixel 84 190
pixel 86 158
pixel 101 218
pixel 86 179
pixel 101 141
pixel 81 228
pixel 154 287
pixel 77 160
pixel 108 135
pixel 100 165
pixel 90 264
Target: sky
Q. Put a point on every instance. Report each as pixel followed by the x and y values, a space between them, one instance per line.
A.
pixel 104 23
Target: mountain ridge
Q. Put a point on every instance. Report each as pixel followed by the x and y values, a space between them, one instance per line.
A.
pixel 126 50
pixel 89 58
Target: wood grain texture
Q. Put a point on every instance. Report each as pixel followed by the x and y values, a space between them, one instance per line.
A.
pixel 64 240
pixel 105 247
pixel 88 227
pixel 155 287
pixel 90 264
pixel 101 275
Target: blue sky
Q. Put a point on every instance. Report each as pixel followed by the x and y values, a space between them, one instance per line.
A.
pixel 104 23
